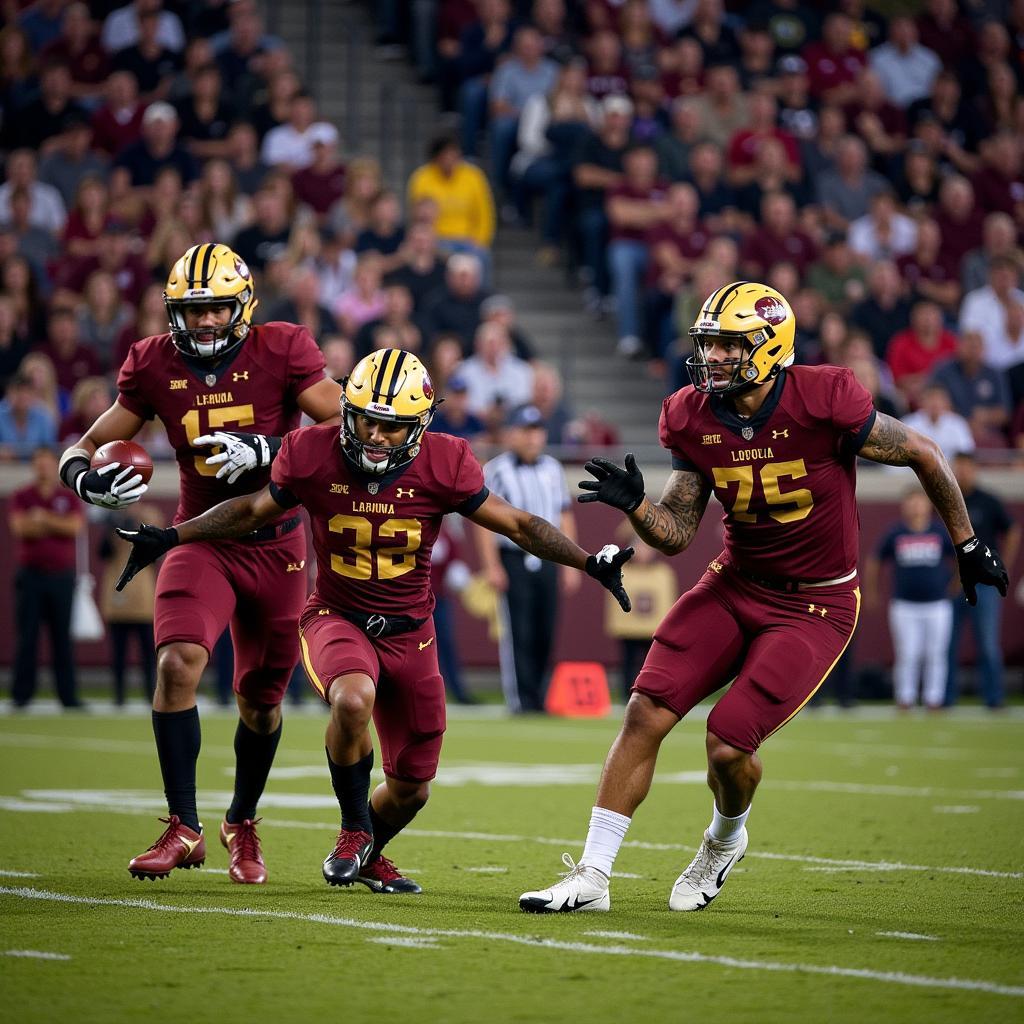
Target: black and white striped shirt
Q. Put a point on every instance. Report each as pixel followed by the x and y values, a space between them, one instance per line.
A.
pixel 539 488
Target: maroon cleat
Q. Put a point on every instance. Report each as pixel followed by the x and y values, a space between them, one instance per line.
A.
pixel 241 841
pixel 381 875
pixel 345 861
pixel 178 847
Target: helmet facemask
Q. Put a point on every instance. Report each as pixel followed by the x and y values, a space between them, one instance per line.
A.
pixel 197 343
pixel 357 451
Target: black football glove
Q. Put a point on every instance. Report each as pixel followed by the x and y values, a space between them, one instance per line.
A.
pixel 621 488
pixel 148 544
pixel 606 568
pixel 241 452
pixel 978 563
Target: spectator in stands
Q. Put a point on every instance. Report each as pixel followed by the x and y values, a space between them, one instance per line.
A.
pixel 102 317
pixel 993 525
pixel 421 270
pixel 869 373
pixel 13 345
pixel 550 130
pixel 90 398
pixel 153 64
pixel 845 193
pixel 936 419
pixel 25 423
pixel 718 201
pixel 761 126
pixel 674 147
pixel 881 124
pixel 500 309
pixel 913 354
pixel 997 107
pixel 996 311
pixel 549 398
pixel 46 207
pixel 498 381
pixel 999 184
pixel 722 106
pixel 385 232
pixel 37 367
pixel 633 207
pixel 883 233
pixel 978 392
pixel 71 359
pixel 959 219
pixel 243 54
pixel 683 68
pixel 920 611
pixel 777 237
pixel 122 27
pixel 40 24
pixel 267 237
pixel 19 284
pixel 886 310
pixel 225 208
pixel 522 75
pixel 18 82
pixel 244 157
pixel 454 416
pixel 39 125
pixel 455 309
pixel 282 88
pixel 833 63
pixel 947 115
pixel 999 240
pixel 158 148
pixel 465 219
pixel 837 276
pixel 906 68
pixel 917 183
pixel 79 48
pixel 206 115
pixel 115 253
pixel 709 27
pixel 291 144
pixel 757 60
pixel 36 244
pixel 396 318
pixel 45 519
pixel 117 123
pixel 302 304
pixel 607 74
pixel 648 95
pixel 926 275
pixel 364 301
pixel 597 170
pixel 946 31
pixel 444 360
pixel 480 47
pixel 322 183
pixel 675 246
pixel 363 183
pixel 67 166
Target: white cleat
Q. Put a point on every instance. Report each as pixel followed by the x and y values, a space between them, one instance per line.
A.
pixel 702 881
pixel 581 888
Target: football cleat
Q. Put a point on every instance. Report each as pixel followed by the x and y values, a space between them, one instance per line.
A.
pixel 243 844
pixel 178 847
pixel 702 881
pixel 581 888
pixel 344 863
pixel 381 875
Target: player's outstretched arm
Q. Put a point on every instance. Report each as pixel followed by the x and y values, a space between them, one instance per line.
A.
pixel 233 518
pixel 540 538
pixel 893 443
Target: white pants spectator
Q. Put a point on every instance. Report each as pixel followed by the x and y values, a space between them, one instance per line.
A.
pixel 920 637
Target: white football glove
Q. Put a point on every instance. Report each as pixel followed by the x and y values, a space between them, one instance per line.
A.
pixel 114 486
pixel 242 452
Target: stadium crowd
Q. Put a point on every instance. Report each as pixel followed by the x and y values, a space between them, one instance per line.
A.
pixel 870 168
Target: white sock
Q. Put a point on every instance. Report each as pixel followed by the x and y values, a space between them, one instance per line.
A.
pixel 727 830
pixel 607 830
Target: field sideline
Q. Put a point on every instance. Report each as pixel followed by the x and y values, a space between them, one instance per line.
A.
pixel 883 882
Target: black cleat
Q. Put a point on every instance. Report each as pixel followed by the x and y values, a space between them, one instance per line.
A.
pixel 345 862
pixel 382 876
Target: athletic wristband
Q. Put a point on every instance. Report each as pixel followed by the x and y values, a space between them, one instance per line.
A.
pixel 967 546
pixel 74 464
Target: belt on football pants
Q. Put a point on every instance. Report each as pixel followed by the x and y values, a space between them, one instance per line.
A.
pixel 381 626
pixel 792 586
pixel 273 531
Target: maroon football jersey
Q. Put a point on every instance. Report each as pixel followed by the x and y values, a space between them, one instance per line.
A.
pixel 373 538
pixel 787 476
pixel 255 391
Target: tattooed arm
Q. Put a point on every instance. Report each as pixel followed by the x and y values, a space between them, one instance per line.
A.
pixel 530 532
pixel 671 524
pixel 895 444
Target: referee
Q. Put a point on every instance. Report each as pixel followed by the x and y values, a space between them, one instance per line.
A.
pixel 526 477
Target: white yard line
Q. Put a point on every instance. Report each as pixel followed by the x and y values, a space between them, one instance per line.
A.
pixel 909 935
pixel 395 930
pixel 35 954
pixel 18 874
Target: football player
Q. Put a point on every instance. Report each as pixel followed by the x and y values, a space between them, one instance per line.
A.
pixel 777 444
pixel 376 501
pixel 215 380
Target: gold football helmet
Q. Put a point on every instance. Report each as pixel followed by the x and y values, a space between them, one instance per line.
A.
pixel 764 323
pixel 210 274
pixel 392 386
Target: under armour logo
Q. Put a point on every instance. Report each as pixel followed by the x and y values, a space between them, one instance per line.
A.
pixel 715 566
pixel 295 566
pixel 236 376
pixel 324 611
pixel 776 434
pixel 404 492
pixel 815 609
pixel 426 643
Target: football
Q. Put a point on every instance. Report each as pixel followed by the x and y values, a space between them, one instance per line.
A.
pixel 126 453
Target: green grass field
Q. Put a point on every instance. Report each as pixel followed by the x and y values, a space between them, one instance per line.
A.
pixel 883 882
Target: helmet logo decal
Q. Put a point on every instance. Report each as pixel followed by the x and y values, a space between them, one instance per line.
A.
pixel 242 268
pixel 428 387
pixel 770 309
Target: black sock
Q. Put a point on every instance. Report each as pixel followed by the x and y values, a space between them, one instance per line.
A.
pixel 254 754
pixel 178 740
pixel 383 833
pixel 352 788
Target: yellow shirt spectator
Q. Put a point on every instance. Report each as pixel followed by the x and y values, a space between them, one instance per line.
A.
pixel 465 206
